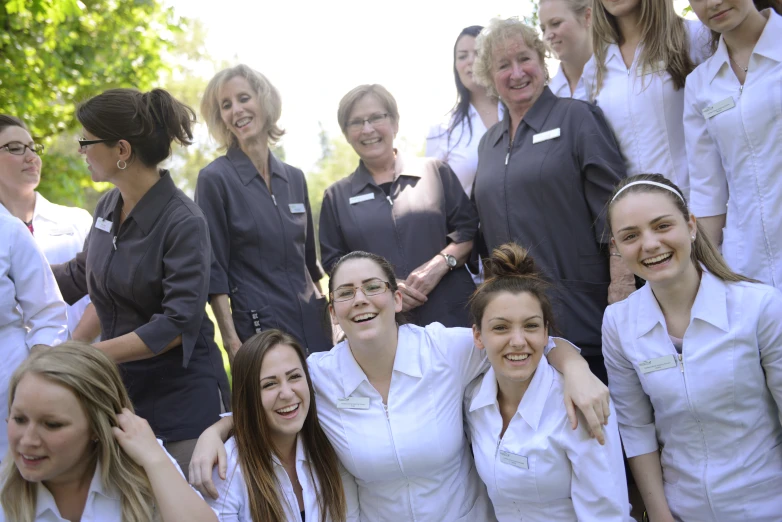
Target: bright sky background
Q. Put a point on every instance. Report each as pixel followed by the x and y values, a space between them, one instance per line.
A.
pixel 315 52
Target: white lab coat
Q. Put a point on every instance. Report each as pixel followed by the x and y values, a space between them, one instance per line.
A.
pixel 561 88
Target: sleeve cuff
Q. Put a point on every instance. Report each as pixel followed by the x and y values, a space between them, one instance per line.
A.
pixel 550 346
pixel 161 330
pixel 708 210
pixel 638 440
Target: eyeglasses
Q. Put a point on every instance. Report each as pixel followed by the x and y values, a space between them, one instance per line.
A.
pixel 18 148
pixel 83 143
pixel 374 121
pixel 346 293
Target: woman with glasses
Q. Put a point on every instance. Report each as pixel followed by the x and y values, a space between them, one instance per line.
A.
pixel 146 265
pixel 60 231
pixel 414 212
pixel 259 218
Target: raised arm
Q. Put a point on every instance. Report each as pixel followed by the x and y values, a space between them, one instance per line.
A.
pixel 208 453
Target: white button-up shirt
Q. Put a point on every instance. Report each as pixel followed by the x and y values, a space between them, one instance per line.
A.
pixel 541 469
pixel 738 153
pixel 31 308
pixel 460 151
pixel 644 110
pixel 716 410
pixel 561 88
pixel 411 461
pixel 233 504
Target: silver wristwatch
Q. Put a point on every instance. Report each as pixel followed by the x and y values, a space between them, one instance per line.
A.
pixel 450 260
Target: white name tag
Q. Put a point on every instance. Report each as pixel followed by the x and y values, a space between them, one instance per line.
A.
pixel 545 136
pixel 506 457
pixel 650 69
pixel 60 231
pixel 362 197
pixel 660 363
pixel 297 208
pixel 353 403
pixel 102 224
pixel 718 108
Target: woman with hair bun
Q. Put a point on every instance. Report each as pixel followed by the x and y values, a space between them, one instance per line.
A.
pixel 146 265
pixel 694 363
pixel 78 452
pixel 531 461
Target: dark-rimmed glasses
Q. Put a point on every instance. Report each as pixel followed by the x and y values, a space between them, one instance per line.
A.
pixel 346 293
pixel 83 143
pixel 17 148
pixel 374 121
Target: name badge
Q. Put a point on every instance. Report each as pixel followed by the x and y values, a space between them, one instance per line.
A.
pixel 353 403
pixel 60 231
pixel 545 136
pixel 650 69
pixel 517 461
pixel 297 208
pixel 102 224
pixel 362 197
pixel 660 363
pixel 718 108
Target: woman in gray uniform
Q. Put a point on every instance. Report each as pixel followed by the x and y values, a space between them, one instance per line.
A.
pixel 545 174
pixel 259 219
pixel 413 212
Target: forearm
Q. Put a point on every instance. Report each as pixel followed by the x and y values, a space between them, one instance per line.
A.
pixel 222 311
pixel 648 475
pixel 176 501
pixel 223 427
pixel 88 328
pixel 461 251
pixel 713 226
pixel 620 274
pixel 130 347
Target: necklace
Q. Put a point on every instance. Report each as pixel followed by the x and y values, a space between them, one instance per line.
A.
pixel 745 69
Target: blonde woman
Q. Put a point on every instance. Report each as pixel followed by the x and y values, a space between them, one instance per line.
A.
pixel 565 25
pixel 78 452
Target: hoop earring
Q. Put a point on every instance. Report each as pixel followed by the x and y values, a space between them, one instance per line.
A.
pixel 124 165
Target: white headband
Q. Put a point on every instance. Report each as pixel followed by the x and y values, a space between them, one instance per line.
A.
pixel 644 182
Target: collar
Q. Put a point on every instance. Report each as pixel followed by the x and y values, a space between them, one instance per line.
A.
pixel 407 360
pixel 362 177
pixel 5 211
pixel 711 306
pixel 613 53
pixel 301 455
pixel 45 501
pixel 535 117
pixel 247 171
pixel 767 46
pixel 558 81
pixel 151 205
pixel 532 403
pixel 44 209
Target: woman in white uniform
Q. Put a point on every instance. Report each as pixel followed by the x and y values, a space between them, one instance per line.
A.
pixel 60 231
pixel 565 26
pixel 390 401
pixel 637 77
pixel 694 362
pixel 535 467
pixel 732 123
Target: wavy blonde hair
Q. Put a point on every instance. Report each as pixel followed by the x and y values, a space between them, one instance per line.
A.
pixel 268 98
pixel 96 383
pixel 663 35
pixel 500 32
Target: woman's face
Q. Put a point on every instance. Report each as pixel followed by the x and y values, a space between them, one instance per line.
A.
pixel 240 110
pixel 514 335
pixel 49 436
pixel 285 393
pixel 363 318
pixel 653 237
pixel 101 159
pixel 518 74
pixel 621 8
pixel 18 173
pixel 464 58
pixel 371 141
pixel 567 35
pixel 722 15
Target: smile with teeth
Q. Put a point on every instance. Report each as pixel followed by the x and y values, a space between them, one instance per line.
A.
pixel 517 357
pixel 370 141
pixel 30 457
pixel 243 122
pixel 521 86
pixel 364 317
pixel 656 260
pixel 288 409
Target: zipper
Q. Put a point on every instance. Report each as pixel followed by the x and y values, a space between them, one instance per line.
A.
pixel 274 200
pixel 390 201
pixel 681 363
pixel 398 462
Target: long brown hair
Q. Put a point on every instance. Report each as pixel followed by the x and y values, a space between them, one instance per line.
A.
pixel 663 35
pixel 254 442
pixel 96 383
pixel 703 250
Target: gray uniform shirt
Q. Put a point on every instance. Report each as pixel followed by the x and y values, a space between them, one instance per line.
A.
pixel 549 193
pixel 264 247
pixel 425 211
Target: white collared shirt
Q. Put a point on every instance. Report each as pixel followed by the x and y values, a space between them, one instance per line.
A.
pixel 561 88
pixel 411 462
pixel 31 308
pixel 541 469
pixel 644 110
pixel 232 504
pixel 460 151
pixel 738 153
pixel 714 410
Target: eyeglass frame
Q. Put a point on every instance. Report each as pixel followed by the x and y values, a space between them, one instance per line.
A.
pixel 354 125
pixel 38 146
pixel 84 143
pixel 386 287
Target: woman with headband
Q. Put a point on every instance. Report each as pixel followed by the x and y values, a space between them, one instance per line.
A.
pixel 694 362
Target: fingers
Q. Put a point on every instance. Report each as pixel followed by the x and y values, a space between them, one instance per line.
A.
pixel 606 410
pixel 416 295
pixel 571 413
pixel 595 425
pixel 222 462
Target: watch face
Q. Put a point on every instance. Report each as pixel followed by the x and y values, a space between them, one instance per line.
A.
pixel 451 261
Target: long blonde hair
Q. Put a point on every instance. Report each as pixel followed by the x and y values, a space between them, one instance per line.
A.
pixel 96 382
pixel 663 36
